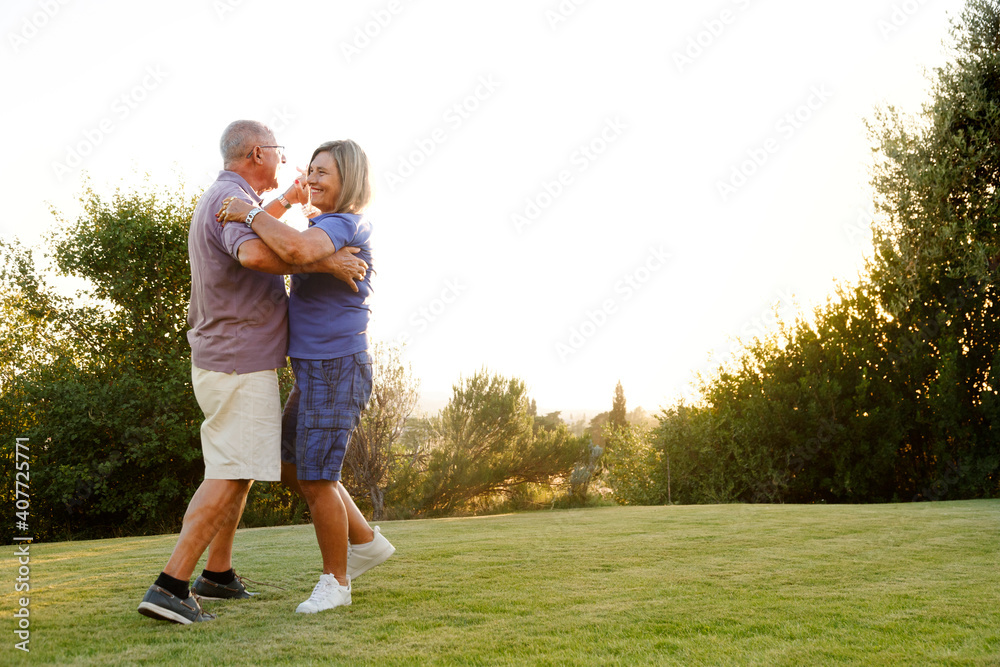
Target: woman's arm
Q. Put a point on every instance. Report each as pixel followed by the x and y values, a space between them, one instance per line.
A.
pixel 292 246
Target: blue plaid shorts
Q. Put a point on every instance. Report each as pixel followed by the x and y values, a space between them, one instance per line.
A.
pixel 322 412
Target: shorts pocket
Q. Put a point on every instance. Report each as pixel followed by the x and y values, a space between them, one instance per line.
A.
pixel 326 420
pixel 323 443
pixel 364 384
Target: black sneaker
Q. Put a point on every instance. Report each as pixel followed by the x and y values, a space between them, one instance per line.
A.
pixel 209 590
pixel 163 605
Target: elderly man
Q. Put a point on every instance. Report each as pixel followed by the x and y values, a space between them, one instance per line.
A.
pixel 239 336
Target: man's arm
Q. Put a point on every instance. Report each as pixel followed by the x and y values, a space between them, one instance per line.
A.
pixel 253 254
pixel 343 265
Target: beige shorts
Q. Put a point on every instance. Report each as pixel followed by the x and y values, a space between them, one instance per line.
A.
pixel 241 434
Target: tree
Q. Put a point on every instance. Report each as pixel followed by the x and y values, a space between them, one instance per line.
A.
pixel 584 470
pixel 937 246
pixel 632 465
pixel 408 466
pixel 549 422
pixel 100 384
pixel 618 416
pixel 596 428
pixel 892 392
pixel 639 417
pixel 369 458
pixel 486 444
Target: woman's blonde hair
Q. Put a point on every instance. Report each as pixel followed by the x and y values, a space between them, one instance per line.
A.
pixel 355 190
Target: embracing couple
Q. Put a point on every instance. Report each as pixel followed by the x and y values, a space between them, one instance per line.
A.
pixel 243 325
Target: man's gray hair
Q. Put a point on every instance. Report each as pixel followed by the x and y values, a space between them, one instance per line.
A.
pixel 240 137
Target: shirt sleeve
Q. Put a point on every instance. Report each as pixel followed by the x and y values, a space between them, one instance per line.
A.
pixel 340 230
pixel 235 234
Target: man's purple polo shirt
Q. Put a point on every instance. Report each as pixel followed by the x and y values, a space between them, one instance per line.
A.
pixel 238 316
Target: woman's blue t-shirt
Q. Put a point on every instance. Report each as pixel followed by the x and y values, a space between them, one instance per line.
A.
pixel 326 319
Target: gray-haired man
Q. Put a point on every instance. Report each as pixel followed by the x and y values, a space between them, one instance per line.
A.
pixel 239 335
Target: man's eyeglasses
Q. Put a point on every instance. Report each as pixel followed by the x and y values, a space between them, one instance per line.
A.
pixel 281 150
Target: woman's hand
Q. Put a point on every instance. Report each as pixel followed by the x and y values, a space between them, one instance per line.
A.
pixel 233 210
pixel 298 193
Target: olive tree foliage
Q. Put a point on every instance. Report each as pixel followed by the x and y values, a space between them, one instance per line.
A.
pixel 481 444
pixel 936 174
pixel 935 270
pixel 892 391
pixel 99 382
pixel 631 463
pixel 369 458
pixel 421 435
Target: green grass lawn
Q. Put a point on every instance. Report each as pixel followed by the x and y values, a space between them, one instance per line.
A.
pixel 912 584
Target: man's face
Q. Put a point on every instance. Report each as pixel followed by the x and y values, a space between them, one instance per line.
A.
pixel 273 158
pixel 266 156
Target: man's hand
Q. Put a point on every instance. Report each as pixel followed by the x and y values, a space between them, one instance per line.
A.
pixel 342 265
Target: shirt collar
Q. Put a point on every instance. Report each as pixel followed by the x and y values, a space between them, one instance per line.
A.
pixel 240 181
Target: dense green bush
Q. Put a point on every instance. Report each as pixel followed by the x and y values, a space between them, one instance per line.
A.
pixel 100 384
pixel 892 392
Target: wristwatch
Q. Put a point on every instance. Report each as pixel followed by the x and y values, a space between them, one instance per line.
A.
pixel 283 201
pixel 250 216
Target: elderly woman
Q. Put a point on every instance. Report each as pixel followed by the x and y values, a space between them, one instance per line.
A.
pixel 328 346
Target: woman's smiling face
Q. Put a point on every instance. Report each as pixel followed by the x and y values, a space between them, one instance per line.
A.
pixel 324 182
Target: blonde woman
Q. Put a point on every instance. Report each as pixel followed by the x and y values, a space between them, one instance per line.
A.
pixel 328 346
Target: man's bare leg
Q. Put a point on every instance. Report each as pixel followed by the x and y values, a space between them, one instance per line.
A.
pixel 213 506
pixel 290 478
pixel 220 551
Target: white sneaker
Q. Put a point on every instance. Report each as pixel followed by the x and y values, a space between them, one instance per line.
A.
pixel 363 557
pixel 327 594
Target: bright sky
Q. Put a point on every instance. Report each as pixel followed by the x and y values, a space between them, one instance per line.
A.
pixel 572 192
